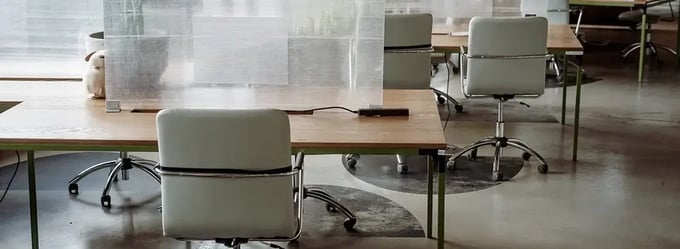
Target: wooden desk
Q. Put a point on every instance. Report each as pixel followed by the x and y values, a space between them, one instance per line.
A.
pixel 643 5
pixel 59 116
pixel 561 40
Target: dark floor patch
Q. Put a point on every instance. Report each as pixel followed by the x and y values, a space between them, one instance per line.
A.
pixel 134 220
pixel 554 82
pixel 487 110
pixel 377 216
pixel 468 176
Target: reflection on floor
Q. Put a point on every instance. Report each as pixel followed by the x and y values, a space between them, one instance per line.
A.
pixel 622 193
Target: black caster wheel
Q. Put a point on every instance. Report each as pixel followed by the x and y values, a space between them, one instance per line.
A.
pixel 497 176
pixel 115 178
pixel 352 163
pixel 526 156
pixel 106 201
pixel 73 189
pixel 441 100
pixel 330 208
pixel 543 168
pixel 459 108
pixel 349 224
pixel 473 155
pixel 451 165
pixel 402 168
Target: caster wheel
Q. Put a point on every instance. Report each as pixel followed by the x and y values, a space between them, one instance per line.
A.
pixel 497 176
pixel 402 168
pixel 451 165
pixel 73 189
pixel 106 201
pixel 526 156
pixel 330 208
pixel 473 155
pixel 543 168
pixel 459 108
pixel 352 163
pixel 349 224
pixel 441 100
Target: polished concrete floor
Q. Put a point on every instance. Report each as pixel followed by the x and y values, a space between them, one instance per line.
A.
pixel 623 192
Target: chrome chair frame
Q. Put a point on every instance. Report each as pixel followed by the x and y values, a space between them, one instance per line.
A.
pixel 499 141
pixel 122 165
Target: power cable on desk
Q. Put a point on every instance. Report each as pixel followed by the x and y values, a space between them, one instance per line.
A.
pixel 11 179
pixel 370 112
pixel 311 111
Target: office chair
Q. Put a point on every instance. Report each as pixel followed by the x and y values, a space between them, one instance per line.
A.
pixel 505 58
pixel 406 63
pixel 634 18
pixel 226 175
pixel 122 165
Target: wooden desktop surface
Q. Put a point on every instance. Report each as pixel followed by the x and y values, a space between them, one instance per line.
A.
pixel 561 38
pixel 60 114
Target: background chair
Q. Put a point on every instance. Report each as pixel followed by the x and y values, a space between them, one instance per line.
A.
pixel 634 17
pixel 122 165
pixel 504 70
pixel 406 63
pixel 227 176
pixel 556 12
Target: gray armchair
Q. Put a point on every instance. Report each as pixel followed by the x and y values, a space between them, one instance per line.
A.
pixel 406 62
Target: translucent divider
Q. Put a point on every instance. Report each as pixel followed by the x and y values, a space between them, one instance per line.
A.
pixel 289 54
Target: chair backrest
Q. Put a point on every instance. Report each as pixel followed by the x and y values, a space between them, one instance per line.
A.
pixel 410 68
pixel 226 141
pixel 510 37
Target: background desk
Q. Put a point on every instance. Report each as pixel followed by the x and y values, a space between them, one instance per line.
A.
pixel 59 116
pixel 561 41
pixel 643 5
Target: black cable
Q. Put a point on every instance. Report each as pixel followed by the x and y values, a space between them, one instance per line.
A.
pixel 11 179
pixel 311 111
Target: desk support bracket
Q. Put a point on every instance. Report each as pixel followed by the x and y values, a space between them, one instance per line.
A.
pixel 113 106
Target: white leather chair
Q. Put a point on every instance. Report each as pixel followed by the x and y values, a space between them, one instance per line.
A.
pixel 226 175
pixel 505 58
pixel 406 64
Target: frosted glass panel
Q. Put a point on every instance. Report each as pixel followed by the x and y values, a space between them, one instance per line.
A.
pixel 455 15
pixel 244 53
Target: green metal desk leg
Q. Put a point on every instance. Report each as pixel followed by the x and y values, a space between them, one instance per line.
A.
pixel 32 200
pixel 441 193
pixel 564 88
pixel 430 194
pixel 577 107
pixel 643 50
pixel 677 40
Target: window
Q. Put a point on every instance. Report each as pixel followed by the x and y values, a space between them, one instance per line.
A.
pixel 46 38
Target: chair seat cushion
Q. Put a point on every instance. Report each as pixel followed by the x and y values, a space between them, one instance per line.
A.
pixel 635 16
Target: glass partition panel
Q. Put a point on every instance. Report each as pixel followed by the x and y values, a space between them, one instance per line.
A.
pixel 289 54
pixel 453 16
